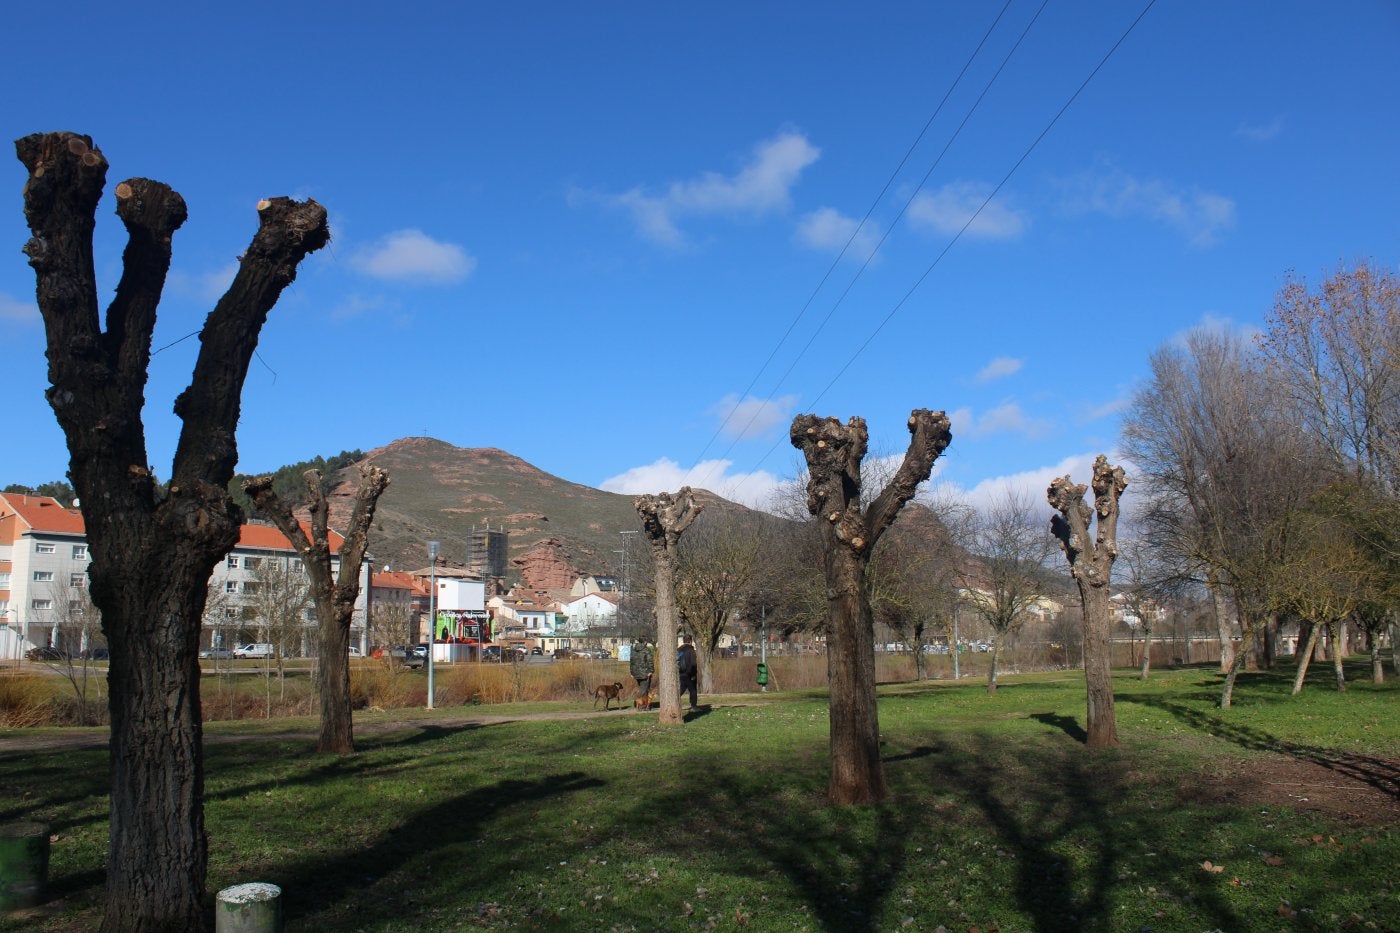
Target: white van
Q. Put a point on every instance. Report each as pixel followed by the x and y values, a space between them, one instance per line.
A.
pixel 257 649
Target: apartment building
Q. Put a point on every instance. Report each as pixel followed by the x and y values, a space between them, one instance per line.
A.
pixel 258 592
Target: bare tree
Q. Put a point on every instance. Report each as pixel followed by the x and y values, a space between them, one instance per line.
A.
pixel 274 603
pixel 1091 565
pixel 153 549
pixel 849 533
pixel 77 629
pixel 1003 583
pixel 1337 350
pixel 333 596
pixel 664 518
pixel 1226 467
pixel 717 569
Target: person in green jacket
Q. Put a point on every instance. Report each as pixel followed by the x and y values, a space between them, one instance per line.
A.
pixel 642 666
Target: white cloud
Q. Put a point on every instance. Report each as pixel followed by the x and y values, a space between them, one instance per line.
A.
pixel 413 256
pixel 1031 483
pixel 21 312
pixel 1200 216
pixel 1004 419
pixel 962 204
pixel 1260 132
pixel 1111 407
pixel 829 231
pixel 378 307
pixel 755 489
pixel 1217 324
pixel 763 185
pixel 1000 367
pixel 752 417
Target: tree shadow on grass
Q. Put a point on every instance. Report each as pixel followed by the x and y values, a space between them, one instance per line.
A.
pixel 433 845
pixel 1067 724
pixel 1380 773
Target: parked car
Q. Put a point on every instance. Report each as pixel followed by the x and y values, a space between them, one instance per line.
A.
pixel 217 654
pixel 45 653
pixel 355 652
pixel 411 655
pixel 562 653
pixel 257 649
pixel 537 650
pixel 98 654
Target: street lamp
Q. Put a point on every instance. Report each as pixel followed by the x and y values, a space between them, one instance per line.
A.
pixel 433 547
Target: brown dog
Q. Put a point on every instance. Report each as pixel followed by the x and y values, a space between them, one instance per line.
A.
pixel 643 701
pixel 607 693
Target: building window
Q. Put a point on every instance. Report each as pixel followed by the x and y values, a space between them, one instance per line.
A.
pixel 80 552
pixel 41 604
pixel 296 564
pixel 77 579
pixel 230 586
pixel 232 562
pixel 42 548
pixel 5 580
pixel 251 563
pixel 230 613
pixel 250 588
pixel 43 576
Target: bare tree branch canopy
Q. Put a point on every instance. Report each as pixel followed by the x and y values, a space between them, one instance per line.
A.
pixel 334 597
pixel 834 452
pixel 152 555
pixel 665 517
pixel 1091 566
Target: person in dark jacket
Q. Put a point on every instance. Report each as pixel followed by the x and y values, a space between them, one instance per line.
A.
pixel 685 660
pixel 642 666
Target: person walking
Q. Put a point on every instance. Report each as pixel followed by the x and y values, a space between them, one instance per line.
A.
pixel 642 666
pixel 685 660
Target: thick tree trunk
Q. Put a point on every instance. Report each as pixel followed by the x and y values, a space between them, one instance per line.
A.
pixel 1222 625
pixel 1334 632
pixel 1227 691
pixel 1101 724
pixel 665 517
pixel 833 452
pixel 668 677
pixel 857 775
pixel 1373 648
pixel 1146 649
pixel 1091 565
pixel 151 555
pixel 1305 652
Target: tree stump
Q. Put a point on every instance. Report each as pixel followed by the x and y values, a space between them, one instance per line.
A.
pixel 255 907
pixel 24 864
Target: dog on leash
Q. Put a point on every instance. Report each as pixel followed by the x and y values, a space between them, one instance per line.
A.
pixel 607 693
pixel 643 701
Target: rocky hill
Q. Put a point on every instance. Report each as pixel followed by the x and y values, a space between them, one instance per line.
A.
pixel 558 529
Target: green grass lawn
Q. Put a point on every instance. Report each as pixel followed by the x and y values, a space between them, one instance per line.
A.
pixel 998 817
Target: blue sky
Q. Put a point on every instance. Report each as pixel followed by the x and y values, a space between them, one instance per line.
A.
pixel 604 237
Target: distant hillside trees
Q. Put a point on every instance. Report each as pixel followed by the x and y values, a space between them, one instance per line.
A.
pixel 57 489
pixel 289 482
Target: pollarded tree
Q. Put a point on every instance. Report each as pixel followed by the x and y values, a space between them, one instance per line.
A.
pixel 152 550
pixel 1091 565
pixel 834 452
pixel 334 596
pixel 664 518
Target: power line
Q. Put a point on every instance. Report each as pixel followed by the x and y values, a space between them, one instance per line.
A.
pixel 854 233
pixel 899 216
pixel 987 200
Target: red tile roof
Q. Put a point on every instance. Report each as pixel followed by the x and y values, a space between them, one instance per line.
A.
pixel 44 513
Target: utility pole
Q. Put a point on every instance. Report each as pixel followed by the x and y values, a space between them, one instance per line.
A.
pixel 626 572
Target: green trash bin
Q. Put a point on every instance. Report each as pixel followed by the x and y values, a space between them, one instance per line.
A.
pixel 763 675
pixel 24 864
